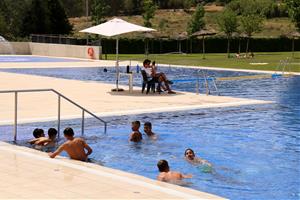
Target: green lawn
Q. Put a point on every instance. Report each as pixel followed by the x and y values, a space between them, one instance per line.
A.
pixel 220 60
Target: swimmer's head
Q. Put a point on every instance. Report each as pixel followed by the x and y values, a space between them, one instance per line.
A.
pixel 37 133
pixel 189 154
pixel 163 166
pixel 68 133
pixel 104 70
pixel 135 125
pixel 52 132
pixel 148 127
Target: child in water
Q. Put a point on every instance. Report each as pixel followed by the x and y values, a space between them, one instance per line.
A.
pixel 191 157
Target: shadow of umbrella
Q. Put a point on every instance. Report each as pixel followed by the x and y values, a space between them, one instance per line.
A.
pixel 293 35
pixel 180 37
pixel 203 33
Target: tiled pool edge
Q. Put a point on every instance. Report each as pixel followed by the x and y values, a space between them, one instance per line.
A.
pixel 117 175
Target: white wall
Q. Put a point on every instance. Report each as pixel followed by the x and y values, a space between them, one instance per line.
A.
pixel 21 48
pixel 63 50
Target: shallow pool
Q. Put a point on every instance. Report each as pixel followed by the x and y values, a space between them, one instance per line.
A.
pixel 255 150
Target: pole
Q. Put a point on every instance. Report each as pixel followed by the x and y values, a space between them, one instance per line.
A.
pixel 82 123
pixel 16 117
pixel 87 17
pixel 58 116
pixel 293 47
pixel 117 63
pixel 203 48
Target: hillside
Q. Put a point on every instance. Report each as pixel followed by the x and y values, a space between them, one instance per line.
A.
pixel 172 22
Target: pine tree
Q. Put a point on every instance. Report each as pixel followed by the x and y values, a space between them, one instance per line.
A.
pixel 36 19
pixel 59 23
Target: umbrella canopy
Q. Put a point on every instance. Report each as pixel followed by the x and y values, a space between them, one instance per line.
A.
pixel 116 27
pixel 203 33
pixel 293 35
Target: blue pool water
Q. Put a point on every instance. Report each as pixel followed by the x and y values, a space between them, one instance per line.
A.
pixel 9 59
pixel 255 150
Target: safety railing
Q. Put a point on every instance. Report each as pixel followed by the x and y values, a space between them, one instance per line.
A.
pixel 59 95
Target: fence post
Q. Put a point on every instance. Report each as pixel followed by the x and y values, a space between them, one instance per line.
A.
pixel 82 123
pixel 16 117
pixel 58 117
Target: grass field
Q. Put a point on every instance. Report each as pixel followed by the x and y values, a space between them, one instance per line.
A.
pixel 220 60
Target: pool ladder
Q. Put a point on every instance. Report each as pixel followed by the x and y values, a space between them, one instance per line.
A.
pixel 209 83
pixel 59 97
pixel 284 67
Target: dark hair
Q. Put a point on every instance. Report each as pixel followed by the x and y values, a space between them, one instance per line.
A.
pixel 147 61
pixel 37 132
pixel 136 122
pixel 52 132
pixel 163 165
pixel 148 124
pixel 188 149
pixel 69 132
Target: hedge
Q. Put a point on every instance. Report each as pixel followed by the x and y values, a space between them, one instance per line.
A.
pixel 212 45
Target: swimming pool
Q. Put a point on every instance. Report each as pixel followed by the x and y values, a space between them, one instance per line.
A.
pixel 254 149
pixel 9 59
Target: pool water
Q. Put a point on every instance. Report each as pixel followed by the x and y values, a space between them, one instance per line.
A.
pixel 255 150
pixel 9 59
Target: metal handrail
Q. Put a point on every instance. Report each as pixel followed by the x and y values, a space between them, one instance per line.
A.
pixel 59 105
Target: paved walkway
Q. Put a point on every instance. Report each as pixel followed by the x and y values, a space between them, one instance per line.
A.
pixel 29 174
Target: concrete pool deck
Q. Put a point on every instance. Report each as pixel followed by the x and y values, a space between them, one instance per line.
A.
pixel 30 174
pixel 95 97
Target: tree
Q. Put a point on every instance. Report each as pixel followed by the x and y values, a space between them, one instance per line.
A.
pixel 3 26
pixel 228 23
pixel 149 9
pixel 36 19
pixel 99 11
pixel 197 22
pixel 59 23
pixel 294 11
pixel 251 24
pixel 128 6
pixel 74 8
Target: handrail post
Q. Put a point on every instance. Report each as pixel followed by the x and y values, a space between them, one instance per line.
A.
pixel 16 117
pixel 105 127
pixel 58 116
pixel 82 123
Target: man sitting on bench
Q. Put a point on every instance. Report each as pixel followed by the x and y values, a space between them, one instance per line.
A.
pixel 158 77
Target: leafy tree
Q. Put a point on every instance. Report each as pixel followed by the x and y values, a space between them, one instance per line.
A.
pixel 59 23
pixel 228 23
pixel 3 26
pixel 128 6
pixel 294 11
pixel 251 24
pixel 74 8
pixel 149 9
pixel 99 11
pixel 35 20
pixel 197 21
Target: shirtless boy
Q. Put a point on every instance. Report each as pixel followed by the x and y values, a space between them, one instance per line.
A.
pixel 136 135
pixel 148 131
pixel 75 147
pixel 167 175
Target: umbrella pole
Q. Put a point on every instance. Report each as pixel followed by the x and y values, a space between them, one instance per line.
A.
pixel 117 89
pixel 203 48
